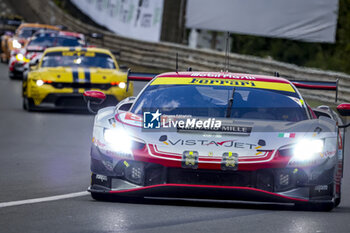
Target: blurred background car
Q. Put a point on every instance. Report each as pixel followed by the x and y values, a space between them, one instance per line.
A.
pixel 8 25
pixel 64 73
pixel 37 44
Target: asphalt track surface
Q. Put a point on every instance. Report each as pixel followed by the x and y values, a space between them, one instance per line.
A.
pixel 47 154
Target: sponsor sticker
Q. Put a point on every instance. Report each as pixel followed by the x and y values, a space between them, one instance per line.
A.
pixel 223 82
pixel 78 53
pixel 340 154
pixel 229 161
pixel 320 188
pixel 286 135
pixel 102 178
pixel 213 143
pixel 190 159
pixel 221 75
pixel 99 179
pixel 112 122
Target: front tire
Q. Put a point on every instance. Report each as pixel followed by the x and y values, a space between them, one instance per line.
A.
pixel 337 201
pixel 325 207
pixel 28 104
pixel 100 196
pixel 11 75
pixel 106 197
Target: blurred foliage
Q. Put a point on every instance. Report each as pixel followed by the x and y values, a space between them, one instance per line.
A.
pixel 320 55
pixel 60 3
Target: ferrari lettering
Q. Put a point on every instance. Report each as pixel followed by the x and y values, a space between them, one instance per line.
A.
pixel 223 82
pixel 228 143
pixel 206 81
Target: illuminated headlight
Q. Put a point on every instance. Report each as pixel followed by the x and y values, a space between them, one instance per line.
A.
pixel 122 85
pixel 16 44
pixel 21 57
pixel 307 150
pixel 39 82
pixel 118 140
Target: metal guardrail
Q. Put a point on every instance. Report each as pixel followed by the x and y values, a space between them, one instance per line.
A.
pixel 162 55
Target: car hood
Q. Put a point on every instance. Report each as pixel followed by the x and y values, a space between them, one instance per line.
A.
pixel 95 74
pixel 251 137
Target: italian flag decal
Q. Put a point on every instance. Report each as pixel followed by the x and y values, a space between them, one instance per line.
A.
pixel 286 135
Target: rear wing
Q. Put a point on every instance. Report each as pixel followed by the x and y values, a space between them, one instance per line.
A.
pixel 318 85
pixel 137 76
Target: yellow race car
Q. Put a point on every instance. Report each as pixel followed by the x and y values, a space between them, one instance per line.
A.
pixel 62 74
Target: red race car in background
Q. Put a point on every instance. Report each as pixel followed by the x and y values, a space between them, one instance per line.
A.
pixel 36 46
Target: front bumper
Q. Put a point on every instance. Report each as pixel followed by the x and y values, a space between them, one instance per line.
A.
pixel 70 101
pixel 204 192
pixel 135 178
pixel 16 70
pixel 49 96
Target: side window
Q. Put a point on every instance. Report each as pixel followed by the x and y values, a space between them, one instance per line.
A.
pixel 312 114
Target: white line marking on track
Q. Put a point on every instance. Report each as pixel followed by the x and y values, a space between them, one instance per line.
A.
pixel 43 199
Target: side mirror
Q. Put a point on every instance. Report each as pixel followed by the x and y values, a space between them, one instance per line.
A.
pixel 116 53
pixel 9 33
pixel 61 27
pixel 126 104
pixel 123 68
pixel 33 64
pixel 321 112
pixel 96 35
pixel 125 107
pixel 33 67
pixel 93 97
pixel 344 109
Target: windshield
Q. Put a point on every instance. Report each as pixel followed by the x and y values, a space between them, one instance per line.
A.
pixel 67 41
pixel 52 41
pixel 44 41
pixel 84 59
pixel 213 101
pixel 27 32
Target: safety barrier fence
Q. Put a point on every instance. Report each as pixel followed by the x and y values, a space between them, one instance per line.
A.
pixel 163 55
